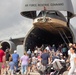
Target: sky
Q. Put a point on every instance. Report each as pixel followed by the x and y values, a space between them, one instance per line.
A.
pixel 10 13
pixel 10 17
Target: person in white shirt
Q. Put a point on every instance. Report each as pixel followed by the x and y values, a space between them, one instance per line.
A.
pixel 70 45
pixel 72 61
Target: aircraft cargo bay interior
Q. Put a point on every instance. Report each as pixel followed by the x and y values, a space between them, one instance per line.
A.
pixel 38 36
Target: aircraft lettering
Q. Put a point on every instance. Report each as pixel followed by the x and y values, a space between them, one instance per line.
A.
pixel 26 5
pixel 60 5
pixel 52 4
pixel 43 4
pixel 57 4
pixel 32 5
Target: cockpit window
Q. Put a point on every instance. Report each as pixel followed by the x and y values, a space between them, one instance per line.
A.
pixel 53 13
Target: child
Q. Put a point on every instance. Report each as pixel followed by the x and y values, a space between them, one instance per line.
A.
pixel 11 66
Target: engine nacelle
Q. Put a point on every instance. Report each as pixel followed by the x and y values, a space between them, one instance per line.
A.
pixel 8 44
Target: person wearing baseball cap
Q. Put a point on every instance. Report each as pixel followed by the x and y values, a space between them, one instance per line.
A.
pixel 15 58
pixel 15 51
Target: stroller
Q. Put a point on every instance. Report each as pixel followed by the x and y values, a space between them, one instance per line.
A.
pixel 44 70
pixel 56 68
pixel 59 67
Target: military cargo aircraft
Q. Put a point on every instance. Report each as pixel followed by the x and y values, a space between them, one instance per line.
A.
pixel 50 25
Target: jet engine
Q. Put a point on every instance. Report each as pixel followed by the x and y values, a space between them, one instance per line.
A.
pixel 8 45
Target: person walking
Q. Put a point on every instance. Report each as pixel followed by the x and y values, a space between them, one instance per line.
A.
pixel 1 57
pixel 29 53
pixel 24 63
pixel 3 68
pixel 15 58
pixel 72 61
pixel 7 58
pixel 45 58
pixel 11 67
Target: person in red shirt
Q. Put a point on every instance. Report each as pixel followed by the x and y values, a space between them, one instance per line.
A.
pixel 1 57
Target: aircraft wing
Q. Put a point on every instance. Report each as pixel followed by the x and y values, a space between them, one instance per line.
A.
pixel 15 32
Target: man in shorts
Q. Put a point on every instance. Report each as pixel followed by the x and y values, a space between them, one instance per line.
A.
pixel 45 58
pixel 15 58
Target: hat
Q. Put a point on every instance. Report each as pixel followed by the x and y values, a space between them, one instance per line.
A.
pixel 70 44
pixel 0 46
pixel 47 48
pixel 15 51
pixel 61 54
pixel 35 51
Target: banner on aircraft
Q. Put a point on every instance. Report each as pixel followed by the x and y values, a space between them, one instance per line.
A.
pixel 34 5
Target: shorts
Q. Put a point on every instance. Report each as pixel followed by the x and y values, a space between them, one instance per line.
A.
pixel 7 63
pixel 29 64
pixel 3 66
pixel 33 63
pixel 0 65
pixel 44 62
pixel 10 72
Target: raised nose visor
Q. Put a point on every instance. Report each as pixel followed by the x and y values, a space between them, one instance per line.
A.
pixel 48 23
pixel 50 27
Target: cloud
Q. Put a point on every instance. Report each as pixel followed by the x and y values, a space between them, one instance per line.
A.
pixel 16 31
pixel 10 13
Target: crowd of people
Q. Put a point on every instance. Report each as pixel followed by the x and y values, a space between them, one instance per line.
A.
pixel 38 59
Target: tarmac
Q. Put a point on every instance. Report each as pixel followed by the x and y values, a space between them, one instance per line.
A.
pixel 34 73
